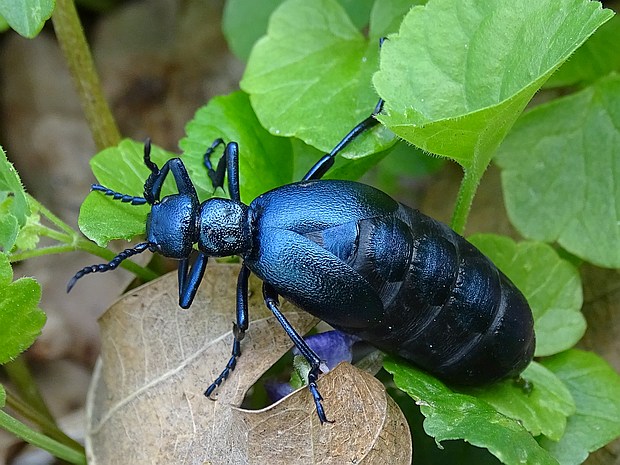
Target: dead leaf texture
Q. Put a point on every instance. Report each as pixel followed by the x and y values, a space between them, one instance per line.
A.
pixel 146 404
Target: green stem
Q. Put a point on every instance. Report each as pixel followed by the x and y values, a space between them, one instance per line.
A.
pixel 73 43
pixel 61 237
pixel 60 224
pixel 42 441
pixel 19 374
pixel 48 427
pixel 465 198
pixel 144 273
pixel 71 241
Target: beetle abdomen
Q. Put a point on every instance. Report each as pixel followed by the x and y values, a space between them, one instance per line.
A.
pixel 451 311
pixel 414 287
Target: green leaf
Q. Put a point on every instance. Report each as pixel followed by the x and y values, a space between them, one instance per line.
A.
pixel 542 411
pixel 3 24
pixel 10 185
pixel 458 74
pixel 450 415
pixel 14 209
pixel 358 11
pixel 595 386
pixel 387 15
pixel 28 236
pixel 20 318
pixel 551 285
pixel 27 17
pixel 561 174
pixel 2 396
pixel 265 161
pixel 310 77
pixel 8 229
pixel 245 21
pixel 599 56
pixel 121 169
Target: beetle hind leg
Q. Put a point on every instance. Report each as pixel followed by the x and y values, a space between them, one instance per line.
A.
pixel 271 300
pixel 327 161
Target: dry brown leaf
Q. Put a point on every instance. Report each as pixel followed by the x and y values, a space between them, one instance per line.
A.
pixel 146 403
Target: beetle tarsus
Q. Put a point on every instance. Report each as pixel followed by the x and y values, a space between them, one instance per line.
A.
pixel 230 366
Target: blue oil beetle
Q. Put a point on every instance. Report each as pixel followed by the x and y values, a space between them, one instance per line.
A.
pixel 348 254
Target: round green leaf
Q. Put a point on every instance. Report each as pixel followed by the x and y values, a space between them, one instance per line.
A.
pixel 265 161
pixel 121 169
pixel 595 386
pixel 245 21
pixel 450 415
pixel 9 228
pixel 20 318
pixel 551 285
pixel 561 174
pixel 458 74
pixel 542 411
pixel 27 17
pixel 14 208
pixel 599 56
pixel 309 77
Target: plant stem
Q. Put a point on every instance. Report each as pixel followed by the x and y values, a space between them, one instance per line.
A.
pixel 60 224
pixel 19 374
pixel 464 200
pixel 82 68
pixel 71 241
pixel 48 427
pixel 144 273
pixel 37 439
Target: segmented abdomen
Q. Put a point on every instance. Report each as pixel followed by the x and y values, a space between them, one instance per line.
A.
pixel 448 308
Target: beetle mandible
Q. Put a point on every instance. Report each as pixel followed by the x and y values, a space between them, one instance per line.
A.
pixel 348 254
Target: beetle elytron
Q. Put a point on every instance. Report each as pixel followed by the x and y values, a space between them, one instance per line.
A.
pixel 348 254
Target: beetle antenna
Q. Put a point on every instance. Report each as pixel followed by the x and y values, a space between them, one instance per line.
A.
pixel 111 265
pixel 125 198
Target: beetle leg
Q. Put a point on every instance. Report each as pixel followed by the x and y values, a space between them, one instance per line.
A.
pixel 155 181
pixel 239 328
pixel 189 279
pixel 217 175
pixel 327 161
pixel 152 185
pixel 228 162
pixel 271 300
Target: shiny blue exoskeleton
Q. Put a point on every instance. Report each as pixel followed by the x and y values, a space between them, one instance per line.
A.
pixel 348 254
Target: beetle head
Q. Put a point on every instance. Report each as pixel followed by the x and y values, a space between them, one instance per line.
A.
pixel 171 226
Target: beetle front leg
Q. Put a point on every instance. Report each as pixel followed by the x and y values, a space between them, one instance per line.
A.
pixel 189 279
pixel 239 328
pixel 271 300
pixel 155 181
